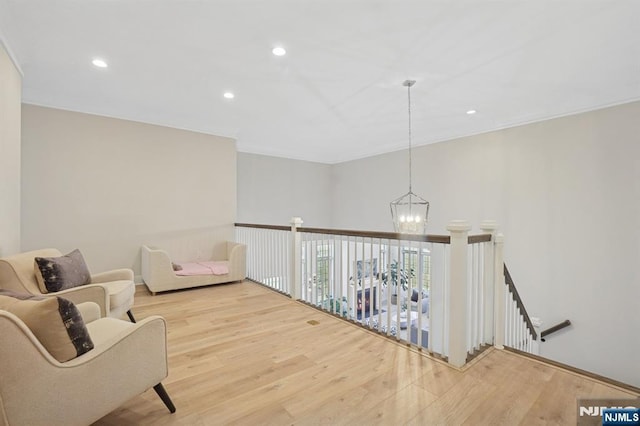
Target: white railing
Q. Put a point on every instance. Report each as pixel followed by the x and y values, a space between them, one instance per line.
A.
pixel 268 255
pixel 385 284
pixel 519 332
pixel 434 292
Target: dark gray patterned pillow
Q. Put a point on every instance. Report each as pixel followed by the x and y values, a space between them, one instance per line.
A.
pixel 60 273
pixel 54 321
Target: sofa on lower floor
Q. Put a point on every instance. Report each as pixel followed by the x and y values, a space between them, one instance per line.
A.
pixel 158 273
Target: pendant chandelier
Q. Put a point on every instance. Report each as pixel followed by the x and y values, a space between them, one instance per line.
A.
pixel 409 212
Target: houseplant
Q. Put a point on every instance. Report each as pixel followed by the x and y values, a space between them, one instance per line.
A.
pixel 390 278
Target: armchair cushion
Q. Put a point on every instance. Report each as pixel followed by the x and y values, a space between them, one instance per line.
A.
pixel 60 273
pixel 54 321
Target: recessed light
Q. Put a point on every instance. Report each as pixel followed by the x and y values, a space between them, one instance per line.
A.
pixel 279 51
pixel 471 112
pixel 100 63
pixel 229 95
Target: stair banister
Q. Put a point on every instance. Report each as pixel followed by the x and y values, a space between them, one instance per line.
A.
pixel 296 261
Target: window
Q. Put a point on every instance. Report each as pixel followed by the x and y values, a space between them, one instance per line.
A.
pixel 323 269
pixel 411 260
pixel 318 271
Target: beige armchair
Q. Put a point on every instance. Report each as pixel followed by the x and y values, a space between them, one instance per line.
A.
pixel 36 389
pixel 112 290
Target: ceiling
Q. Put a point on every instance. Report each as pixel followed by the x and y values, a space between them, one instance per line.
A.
pixel 337 94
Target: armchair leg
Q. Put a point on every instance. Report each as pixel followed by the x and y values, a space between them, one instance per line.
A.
pixel 164 396
pixel 130 315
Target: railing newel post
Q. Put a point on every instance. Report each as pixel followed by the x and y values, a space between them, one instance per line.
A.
pixel 489 227
pixel 459 230
pixel 296 258
pixel 499 292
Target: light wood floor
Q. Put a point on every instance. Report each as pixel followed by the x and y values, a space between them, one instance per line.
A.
pixel 243 354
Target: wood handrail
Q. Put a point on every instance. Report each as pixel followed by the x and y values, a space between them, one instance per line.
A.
pixel 479 238
pixel 253 225
pixel 557 327
pixel 516 297
pixel 441 239
pixel 429 238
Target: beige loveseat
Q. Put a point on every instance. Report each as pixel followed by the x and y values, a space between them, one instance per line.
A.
pixel 158 273
pixel 36 389
pixel 112 290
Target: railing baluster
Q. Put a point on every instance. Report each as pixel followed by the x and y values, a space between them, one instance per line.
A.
pixel 379 288
pixel 282 265
pixel 350 277
pixel 471 303
pixel 400 267
pixel 507 322
pixel 444 337
pixel 310 268
pixel 430 337
pixel 420 289
pixel 372 298
pixel 283 262
pixel 339 276
pixel 387 289
pixel 272 259
pixel 291 254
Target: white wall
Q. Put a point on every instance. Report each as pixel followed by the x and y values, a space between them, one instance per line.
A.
pixel 566 194
pixel 10 98
pixel 107 186
pixel 271 190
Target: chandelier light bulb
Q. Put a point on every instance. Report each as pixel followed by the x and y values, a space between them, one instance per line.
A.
pixel 100 63
pixel 279 51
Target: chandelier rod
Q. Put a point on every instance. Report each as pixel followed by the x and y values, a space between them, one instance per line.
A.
pixel 409 83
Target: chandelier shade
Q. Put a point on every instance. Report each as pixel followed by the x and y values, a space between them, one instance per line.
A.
pixel 410 211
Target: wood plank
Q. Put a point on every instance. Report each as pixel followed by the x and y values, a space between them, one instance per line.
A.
pixel 243 354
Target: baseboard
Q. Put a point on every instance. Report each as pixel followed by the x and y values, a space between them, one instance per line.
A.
pixel 572 369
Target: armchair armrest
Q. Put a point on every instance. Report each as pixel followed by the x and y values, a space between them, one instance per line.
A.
pixel 87 293
pixel 90 311
pixel 156 268
pixel 114 275
pixel 237 256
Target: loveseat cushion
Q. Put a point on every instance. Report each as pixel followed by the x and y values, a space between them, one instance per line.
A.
pixel 60 273
pixel 54 321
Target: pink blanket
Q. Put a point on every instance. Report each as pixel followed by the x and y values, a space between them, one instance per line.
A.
pixel 204 268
